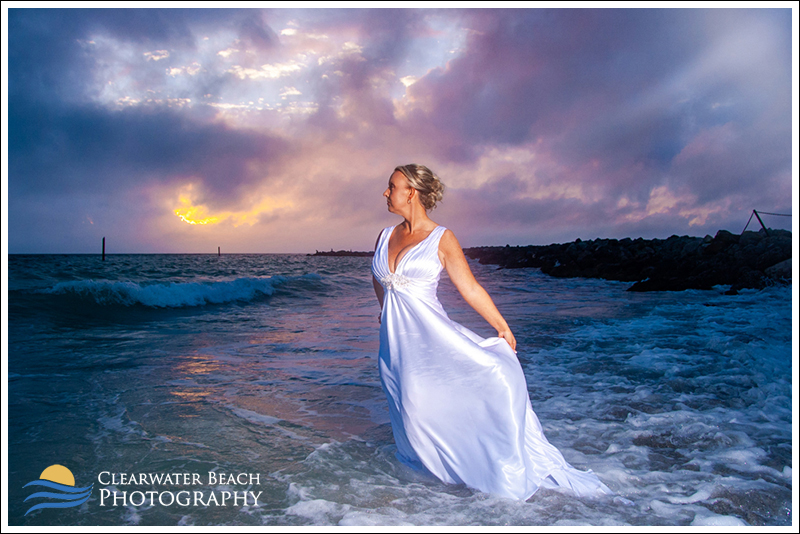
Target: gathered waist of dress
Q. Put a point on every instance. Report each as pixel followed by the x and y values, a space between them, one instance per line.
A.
pixel 421 287
pixel 395 281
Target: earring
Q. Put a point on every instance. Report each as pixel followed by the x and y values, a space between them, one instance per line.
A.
pixel 409 201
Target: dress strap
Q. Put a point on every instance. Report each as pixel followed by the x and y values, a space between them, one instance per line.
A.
pixel 438 237
pixel 385 234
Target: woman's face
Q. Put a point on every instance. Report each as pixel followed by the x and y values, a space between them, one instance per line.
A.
pixel 398 192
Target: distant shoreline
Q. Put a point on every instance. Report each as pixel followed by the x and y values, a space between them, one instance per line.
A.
pixel 342 253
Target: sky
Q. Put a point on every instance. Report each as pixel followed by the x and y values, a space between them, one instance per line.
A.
pixel 276 130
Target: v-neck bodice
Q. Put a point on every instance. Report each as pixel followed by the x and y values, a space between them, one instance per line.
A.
pixel 398 262
pixel 417 271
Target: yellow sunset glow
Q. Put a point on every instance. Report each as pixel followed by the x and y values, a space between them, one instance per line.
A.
pixel 194 215
pixel 191 213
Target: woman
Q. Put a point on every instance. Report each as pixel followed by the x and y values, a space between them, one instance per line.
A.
pixel 458 403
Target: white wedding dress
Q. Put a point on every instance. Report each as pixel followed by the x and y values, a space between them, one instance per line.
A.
pixel 459 403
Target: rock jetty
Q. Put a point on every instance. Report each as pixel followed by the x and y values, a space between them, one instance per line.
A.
pixel 750 260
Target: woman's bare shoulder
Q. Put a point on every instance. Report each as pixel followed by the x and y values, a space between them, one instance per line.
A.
pixel 450 252
pixel 448 240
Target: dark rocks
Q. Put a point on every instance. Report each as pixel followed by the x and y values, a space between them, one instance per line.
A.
pixel 673 264
pixel 780 271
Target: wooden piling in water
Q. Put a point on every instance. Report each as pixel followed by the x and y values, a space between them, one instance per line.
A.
pixel 219 253
pixel 104 249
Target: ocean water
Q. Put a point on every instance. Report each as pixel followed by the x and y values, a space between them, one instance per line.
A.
pixel 258 373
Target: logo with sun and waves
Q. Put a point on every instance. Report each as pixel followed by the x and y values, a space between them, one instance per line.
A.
pixel 58 478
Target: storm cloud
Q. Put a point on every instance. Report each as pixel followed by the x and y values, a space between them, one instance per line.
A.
pixel 276 130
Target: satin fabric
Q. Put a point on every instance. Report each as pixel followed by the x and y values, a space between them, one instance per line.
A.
pixel 458 403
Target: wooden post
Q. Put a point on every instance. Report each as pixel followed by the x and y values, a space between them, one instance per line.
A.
pixel 219 253
pixel 104 249
pixel 762 223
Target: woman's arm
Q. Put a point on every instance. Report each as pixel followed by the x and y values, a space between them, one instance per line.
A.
pixel 378 291
pixel 377 285
pixel 454 261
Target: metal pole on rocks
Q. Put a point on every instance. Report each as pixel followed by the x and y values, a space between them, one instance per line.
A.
pixel 762 223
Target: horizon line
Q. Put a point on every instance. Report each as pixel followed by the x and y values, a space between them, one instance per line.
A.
pixel 357 251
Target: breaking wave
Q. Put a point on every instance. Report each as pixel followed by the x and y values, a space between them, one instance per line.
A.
pixel 175 294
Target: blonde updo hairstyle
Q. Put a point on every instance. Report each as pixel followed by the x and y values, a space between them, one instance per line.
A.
pixel 427 184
